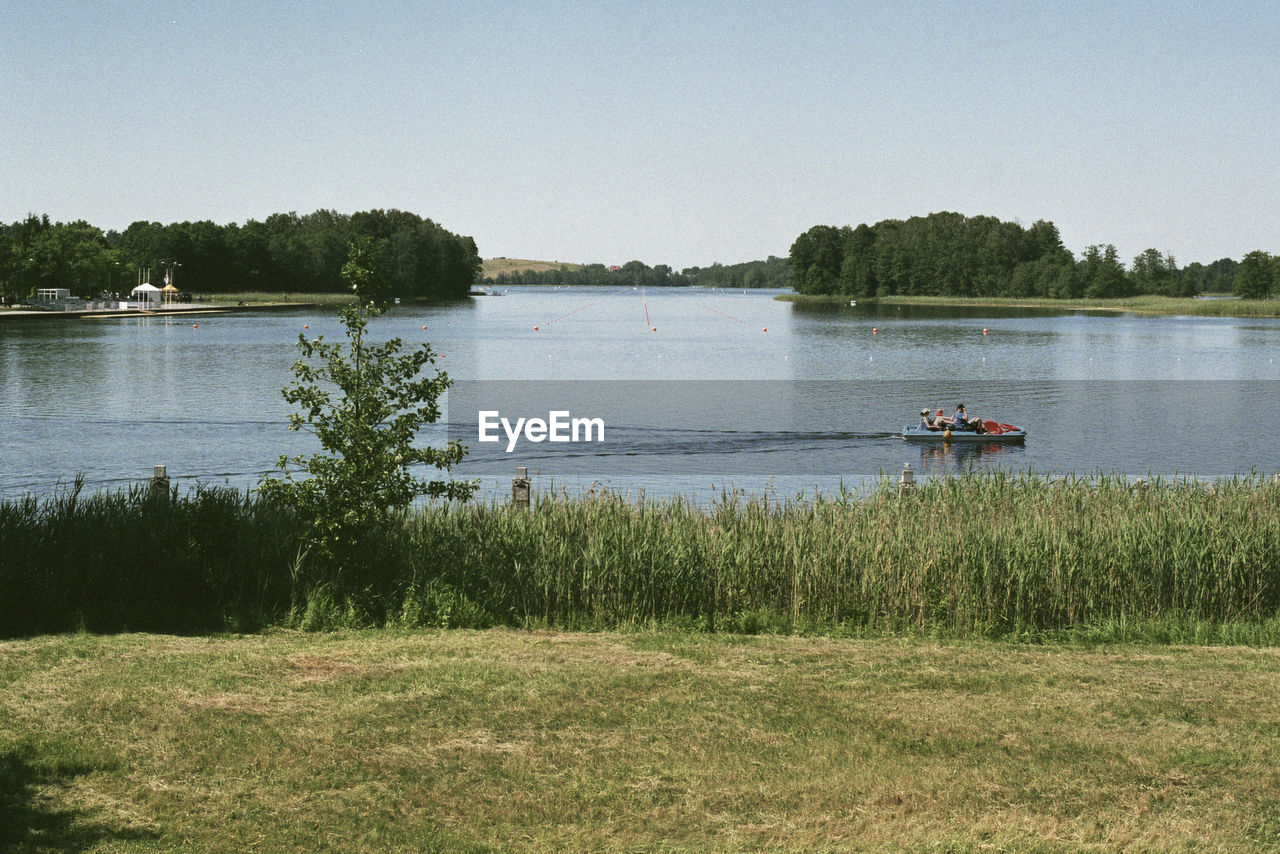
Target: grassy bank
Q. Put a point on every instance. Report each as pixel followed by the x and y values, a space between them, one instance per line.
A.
pixel 501 741
pixel 491 267
pixel 270 298
pixel 1142 304
pixel 996 556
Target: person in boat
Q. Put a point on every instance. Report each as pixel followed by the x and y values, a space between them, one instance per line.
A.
pixel 962 421
pixel 927 422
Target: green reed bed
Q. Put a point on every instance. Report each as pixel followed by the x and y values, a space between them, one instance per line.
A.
pixel 985 555
pixel 135 559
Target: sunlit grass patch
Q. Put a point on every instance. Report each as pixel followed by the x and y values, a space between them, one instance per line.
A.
pixel 546 741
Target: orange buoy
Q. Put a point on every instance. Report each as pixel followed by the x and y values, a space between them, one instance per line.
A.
pixel 874 330
pixel 195 326
pixel 535 329
pixel 766 329
pixel 984 332
pixel 424 329
pixel 306 326
pixel 655 329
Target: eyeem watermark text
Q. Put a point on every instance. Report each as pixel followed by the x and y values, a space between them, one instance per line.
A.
pixel 558 427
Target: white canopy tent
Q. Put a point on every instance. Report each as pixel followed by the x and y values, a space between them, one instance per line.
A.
pixel 147 295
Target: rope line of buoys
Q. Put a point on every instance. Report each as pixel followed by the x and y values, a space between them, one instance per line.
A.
pixel 721 313
pixel 569 314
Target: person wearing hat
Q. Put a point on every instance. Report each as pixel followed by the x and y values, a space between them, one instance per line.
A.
pixel 962 421
pixel 926 421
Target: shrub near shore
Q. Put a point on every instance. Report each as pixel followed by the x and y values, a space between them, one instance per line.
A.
pixel 983 555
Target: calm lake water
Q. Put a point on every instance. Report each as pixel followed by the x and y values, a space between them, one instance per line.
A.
pixel 700 390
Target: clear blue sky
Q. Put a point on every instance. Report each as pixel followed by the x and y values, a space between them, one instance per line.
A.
pixel 679 133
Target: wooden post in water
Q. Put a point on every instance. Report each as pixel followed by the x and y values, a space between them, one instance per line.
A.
pixel 159 483
pixel 907 482
pixel 520 488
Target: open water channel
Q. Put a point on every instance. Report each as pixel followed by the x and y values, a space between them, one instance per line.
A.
pixel 698 391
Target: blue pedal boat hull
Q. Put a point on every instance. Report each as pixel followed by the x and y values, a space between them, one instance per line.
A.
pixel 915 434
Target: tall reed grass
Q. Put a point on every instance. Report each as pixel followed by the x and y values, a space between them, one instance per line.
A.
pixel 993 555
pixel 135 559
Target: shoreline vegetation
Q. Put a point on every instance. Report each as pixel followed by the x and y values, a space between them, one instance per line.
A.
pixel 952 255
pixel 1217 305
pixel 1012 557
pixel 1224 306
pixel 285 253
pixel 942 254
pixel 543 741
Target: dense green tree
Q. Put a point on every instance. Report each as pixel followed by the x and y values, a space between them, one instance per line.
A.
pixel 943 253
pixel 816 259
pixel 1218 277
pixel 292 253
pixel 8 269
pixel 1256 277
pixel 17 265
pixel 1100 274
pixel 145 245
pixel 1154 273
pixel 72 255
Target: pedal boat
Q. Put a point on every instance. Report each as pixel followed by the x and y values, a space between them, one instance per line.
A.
pixel 996 432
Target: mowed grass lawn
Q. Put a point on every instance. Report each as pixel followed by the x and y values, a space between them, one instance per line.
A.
pixel 539 741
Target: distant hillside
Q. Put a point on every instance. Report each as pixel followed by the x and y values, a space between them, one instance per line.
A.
pixel 772 273
pixel 490 267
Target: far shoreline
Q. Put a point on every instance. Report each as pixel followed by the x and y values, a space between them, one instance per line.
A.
pixel 166 311
pixel 1222 307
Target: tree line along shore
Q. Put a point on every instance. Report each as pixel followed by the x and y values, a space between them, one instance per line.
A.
pixel 283 254
pixel 953 255
pixel 942 255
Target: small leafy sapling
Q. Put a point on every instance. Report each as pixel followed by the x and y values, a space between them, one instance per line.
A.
pixel 365 403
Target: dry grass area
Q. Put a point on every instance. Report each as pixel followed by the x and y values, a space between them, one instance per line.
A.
pixel 490 267
pixel 500 740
